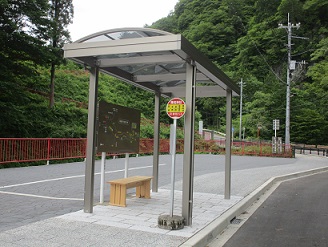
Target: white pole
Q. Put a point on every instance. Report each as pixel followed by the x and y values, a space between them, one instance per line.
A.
pixel 173 150
pixel 102 176
pixel 241 108
pixel 200 128
pixel 126 165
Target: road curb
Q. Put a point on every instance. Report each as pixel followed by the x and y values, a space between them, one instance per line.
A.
pixel 208 233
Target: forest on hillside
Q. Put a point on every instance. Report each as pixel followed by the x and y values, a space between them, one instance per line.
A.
pixel 42 95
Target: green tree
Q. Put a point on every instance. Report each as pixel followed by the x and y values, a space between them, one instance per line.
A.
pixel 22 37
pixel 60 14
pixel 23 25
pixel 309 127
pixel 240 36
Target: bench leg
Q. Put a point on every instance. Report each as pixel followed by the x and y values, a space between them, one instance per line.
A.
pixel 112 194
pixel 147 189
pixel 117 195
pixel 143 190
pixel 138 191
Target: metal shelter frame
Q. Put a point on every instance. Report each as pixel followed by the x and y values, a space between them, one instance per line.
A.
pixel 169 66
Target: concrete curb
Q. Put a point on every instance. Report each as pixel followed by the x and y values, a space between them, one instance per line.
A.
pixel 208 233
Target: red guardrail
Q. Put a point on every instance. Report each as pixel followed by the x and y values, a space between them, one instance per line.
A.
pixel 38 149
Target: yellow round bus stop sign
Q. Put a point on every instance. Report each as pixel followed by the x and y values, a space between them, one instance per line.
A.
pixel 176 108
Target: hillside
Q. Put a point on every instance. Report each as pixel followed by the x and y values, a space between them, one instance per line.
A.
pixel 244 40
pixel 241 37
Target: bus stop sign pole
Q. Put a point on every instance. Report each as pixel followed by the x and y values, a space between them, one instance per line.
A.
pixel 175 109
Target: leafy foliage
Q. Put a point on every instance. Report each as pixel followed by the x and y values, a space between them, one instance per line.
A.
pixel 60 14
pixel 241 37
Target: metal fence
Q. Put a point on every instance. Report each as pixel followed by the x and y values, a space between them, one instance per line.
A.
pixel 47 149
pixel 37 149
pixel 311 149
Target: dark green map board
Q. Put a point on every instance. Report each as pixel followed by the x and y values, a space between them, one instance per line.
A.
pixel 118 129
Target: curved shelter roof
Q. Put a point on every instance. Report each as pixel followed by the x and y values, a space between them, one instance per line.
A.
pixel 151 59
pixel 166 64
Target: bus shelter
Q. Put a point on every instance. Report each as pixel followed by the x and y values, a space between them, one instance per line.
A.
pixel 169 66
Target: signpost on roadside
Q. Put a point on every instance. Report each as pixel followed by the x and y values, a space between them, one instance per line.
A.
pixel 175 109
pixel 276 141
pixel 275 126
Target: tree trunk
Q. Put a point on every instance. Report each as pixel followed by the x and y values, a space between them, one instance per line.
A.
pixel 52 86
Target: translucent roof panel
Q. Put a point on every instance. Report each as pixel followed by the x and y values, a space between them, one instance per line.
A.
pixel 123 33
pixel 151 59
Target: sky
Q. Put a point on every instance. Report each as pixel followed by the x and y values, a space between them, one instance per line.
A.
pixel 99 15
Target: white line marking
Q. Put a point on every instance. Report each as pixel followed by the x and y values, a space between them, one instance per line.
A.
pixel 44 197
pixel 70 177
pixel 40 181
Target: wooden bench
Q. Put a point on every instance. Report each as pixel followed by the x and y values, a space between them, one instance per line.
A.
pixel 118 189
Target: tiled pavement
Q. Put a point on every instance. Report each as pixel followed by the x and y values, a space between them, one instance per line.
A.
pixel 141 214
pixel 134 225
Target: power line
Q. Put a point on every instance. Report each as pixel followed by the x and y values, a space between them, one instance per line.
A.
pixel 256 47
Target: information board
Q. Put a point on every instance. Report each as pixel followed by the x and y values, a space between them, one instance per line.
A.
pixel 118 128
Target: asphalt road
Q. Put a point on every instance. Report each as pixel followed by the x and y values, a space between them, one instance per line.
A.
pixel 295 214
pixel 31 194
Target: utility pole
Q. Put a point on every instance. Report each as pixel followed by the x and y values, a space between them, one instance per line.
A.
pixel 289 28
pixel 241 107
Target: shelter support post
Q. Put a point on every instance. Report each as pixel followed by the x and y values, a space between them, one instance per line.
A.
pixel 227 188
pixel 91 141
pixel 156 141
pixel 188 158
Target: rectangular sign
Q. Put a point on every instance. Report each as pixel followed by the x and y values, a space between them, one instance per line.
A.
pixel 118 129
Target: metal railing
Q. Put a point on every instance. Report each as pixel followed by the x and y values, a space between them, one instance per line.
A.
pixel 47 149
pixel 38 149
pixel 311 149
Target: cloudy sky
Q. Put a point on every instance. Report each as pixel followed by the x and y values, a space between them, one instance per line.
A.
pixel 98 15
